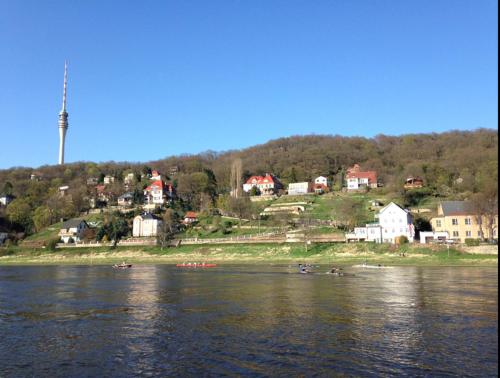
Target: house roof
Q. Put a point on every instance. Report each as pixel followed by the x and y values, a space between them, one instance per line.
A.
pixel 414 178
pixel 72 223
pixel 191 214
pixel 259 180
pixel 390 204
pixel 457 208
pixel 158 184
pixel 370 175
pixel 126 195
pixel 148 216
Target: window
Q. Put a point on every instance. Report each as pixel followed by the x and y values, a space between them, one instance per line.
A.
pixel 479 234
pixel 455 233
pixel 468 234
pixel 468 221
pixel 454 221
pixel 438 223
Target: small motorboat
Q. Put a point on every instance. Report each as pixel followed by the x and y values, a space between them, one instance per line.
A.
pixel 122 266
pixel 196 265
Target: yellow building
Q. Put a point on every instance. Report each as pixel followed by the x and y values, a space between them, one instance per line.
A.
pixel 458 219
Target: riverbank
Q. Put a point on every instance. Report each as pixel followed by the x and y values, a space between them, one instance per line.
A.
pixel 334 253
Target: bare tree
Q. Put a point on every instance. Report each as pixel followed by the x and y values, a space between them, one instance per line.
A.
pixel 236 173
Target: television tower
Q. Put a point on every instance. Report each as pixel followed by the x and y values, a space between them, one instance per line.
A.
pixel 63 118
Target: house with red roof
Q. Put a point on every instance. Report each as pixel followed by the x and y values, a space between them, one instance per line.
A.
pixel 267 184
pixel 190 217
pixel 357 179
pixel 154 193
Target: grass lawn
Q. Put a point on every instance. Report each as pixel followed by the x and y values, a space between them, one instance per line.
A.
pixel 328 253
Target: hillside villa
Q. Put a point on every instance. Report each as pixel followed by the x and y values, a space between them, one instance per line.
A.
pixel 267 184
pixel 154 194
pixel 72 229
pixel 357 179
pixel 321 185
pixel 126 199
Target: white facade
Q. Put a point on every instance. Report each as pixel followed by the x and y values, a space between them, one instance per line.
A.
pixel 146 226
pixel 370 233
pixel 321 180
pixel 72 229
pixel 297 188
pixel 109 179
pixel 154 194
pixel 395 221
pixel 355 183
pixel 248 187
pixel 433 236
pixel 155 175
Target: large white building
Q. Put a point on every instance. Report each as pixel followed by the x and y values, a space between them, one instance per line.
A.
pixel 393 222
pixel 297 188
pixel 146 225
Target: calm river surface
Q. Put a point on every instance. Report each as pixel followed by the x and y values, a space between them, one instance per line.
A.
pixel 78 321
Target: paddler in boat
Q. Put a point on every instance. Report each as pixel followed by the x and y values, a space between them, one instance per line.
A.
pixel 335 270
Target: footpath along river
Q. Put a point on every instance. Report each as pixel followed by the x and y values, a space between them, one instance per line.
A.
pixel 159 320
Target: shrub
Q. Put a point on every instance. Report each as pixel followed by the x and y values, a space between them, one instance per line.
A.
pixel 52 243
pixel 471 242
pixel 401 239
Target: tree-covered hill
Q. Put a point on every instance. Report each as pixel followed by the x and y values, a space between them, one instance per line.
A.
pixel 454 164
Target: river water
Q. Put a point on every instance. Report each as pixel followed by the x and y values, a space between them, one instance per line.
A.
pixel 159 320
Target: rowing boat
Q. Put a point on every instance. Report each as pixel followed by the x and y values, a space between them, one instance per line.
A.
pixel 194 265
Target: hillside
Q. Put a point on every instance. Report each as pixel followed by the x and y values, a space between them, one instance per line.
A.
pixel 453 165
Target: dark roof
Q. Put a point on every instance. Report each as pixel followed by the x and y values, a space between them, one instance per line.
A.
pixel 126 195
pixel 149 216
pixel 457 208
pixel 70 223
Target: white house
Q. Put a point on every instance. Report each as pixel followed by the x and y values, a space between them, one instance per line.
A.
pixel 146 225
pixel 108 179
pixel 126 199
pixel 268 184
pixel 393 222
pixel 321 180
pixel 297 188
pixel 372 232
pixel 321 185
pixel 72 229
pixel 155 176
pixel 357 179
pixel 154 193
pixel 63 190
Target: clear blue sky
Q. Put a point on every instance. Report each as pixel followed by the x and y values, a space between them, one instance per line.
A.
pixel 150 79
